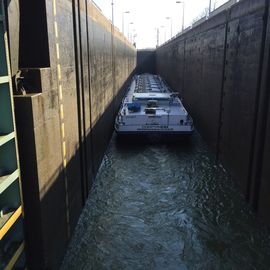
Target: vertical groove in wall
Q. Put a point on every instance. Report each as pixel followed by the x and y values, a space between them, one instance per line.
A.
pixel 83 98
pixel 222 89
pixel 260 120
pixel 76 53
pixel 184 68
pixel 113 58
pixel 89 87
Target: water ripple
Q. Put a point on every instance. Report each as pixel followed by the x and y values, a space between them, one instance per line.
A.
pixel 166 207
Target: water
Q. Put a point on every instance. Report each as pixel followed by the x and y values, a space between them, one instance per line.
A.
pixel 158 206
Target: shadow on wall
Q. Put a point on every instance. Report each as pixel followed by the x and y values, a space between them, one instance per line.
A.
pixel 53 201
pixel 34 43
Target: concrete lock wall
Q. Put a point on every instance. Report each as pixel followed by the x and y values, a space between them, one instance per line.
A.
pixel 75 65
pixel 221 69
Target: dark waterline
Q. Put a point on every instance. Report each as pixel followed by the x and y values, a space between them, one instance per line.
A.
pixel 166 206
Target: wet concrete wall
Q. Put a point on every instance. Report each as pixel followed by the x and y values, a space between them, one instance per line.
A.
pixel 74 84
pixel 260 178
pixel 220 68
pixel 263 202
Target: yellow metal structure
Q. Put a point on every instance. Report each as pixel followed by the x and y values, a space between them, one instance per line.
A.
pixel 12 245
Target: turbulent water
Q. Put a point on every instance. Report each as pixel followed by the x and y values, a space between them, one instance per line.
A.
pixel 166 206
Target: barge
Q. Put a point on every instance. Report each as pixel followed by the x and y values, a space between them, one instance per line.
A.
pixel 151 107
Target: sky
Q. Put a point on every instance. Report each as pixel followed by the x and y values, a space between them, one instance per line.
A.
pixel 146 16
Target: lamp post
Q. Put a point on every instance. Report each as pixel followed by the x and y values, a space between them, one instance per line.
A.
pixel 170 18
pixel 157 29
pixel 128 29
pixel 162 26
pixel 112 3
pixel 183 13
pixel 134 35
pixel 123 21
pixel 210 7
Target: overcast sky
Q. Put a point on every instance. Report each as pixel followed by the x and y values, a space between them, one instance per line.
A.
pixel 147 15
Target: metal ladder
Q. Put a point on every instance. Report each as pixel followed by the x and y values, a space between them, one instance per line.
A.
pixel 12 245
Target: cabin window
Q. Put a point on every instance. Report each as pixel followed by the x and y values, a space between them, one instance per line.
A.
pixel 150 111
pixel 152 103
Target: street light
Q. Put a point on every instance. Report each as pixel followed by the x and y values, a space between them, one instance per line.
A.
pixel 162 26
pixel 128 36
pixel 210 7
pixel 128 30
pixel 112 3
pixel 157 29
pixel 134 35
pixel 170 18
pixel 183 13
pixel 123 21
